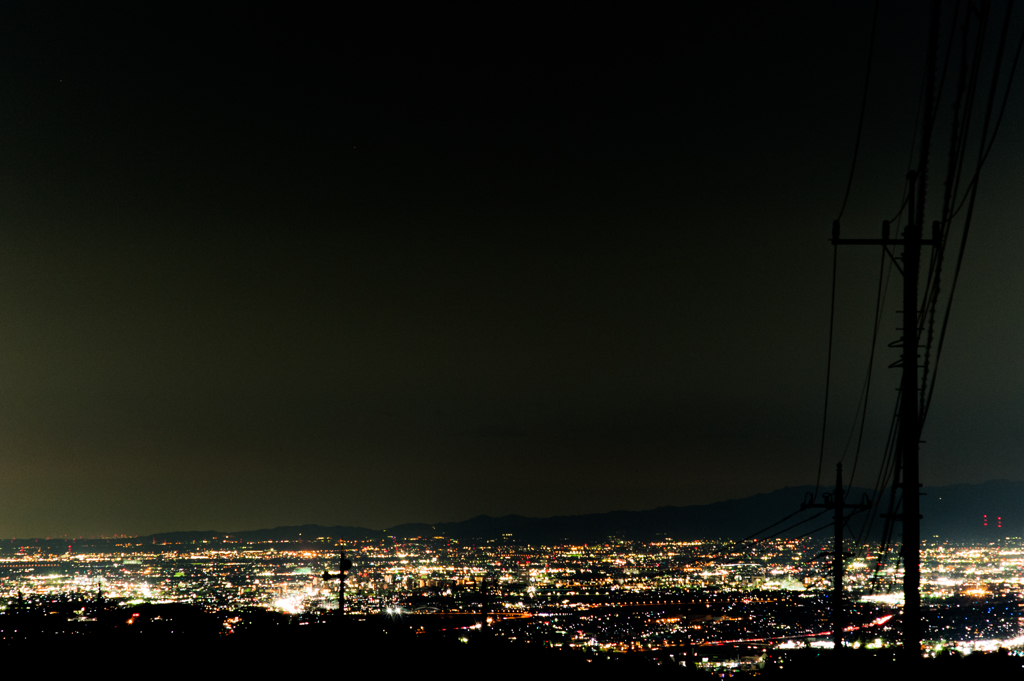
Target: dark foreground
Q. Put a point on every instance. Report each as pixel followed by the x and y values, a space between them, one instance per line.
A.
pixel 153 641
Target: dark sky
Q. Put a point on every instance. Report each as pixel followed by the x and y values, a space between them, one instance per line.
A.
pixel 265 269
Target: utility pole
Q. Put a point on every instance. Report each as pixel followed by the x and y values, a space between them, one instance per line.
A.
pixel 910 420
pixel 837 502
pixel 910 438
pixel 344 565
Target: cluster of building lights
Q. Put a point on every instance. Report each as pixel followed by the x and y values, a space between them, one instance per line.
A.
pixel 615 596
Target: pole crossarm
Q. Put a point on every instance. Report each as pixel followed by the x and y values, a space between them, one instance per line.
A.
pixel 344 565
pixel 836 501
pixel 936 239
pixel 880 242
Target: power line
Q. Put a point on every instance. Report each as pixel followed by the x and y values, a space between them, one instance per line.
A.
pixel 949 52
pixel 829 524
pixel 777 522
pixel 999 118
pixel 983 152
pixel 823 527
pixel 797 524
pixel 954 168
pixel 879 302
pixel 972 89
pixel 863 107
pixel 828 369
pixel 898 217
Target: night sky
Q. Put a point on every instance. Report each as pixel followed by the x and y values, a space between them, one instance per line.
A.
pixel 291 267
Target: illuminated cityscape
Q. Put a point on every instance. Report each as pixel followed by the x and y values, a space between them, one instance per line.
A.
pixel 614 598
pixel 591 343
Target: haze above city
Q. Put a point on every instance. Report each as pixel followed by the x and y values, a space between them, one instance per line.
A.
pixel 261 270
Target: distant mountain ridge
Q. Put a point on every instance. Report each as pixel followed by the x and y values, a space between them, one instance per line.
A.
pixel 952 512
